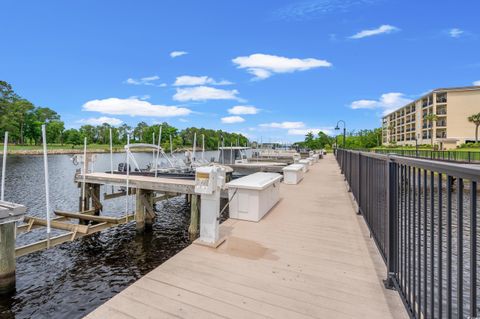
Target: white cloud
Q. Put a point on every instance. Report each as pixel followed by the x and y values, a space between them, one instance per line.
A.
pixel 148 80
pixel 189 80
pixel 143 97
pixel 455 32
pixel 175 54
pixel 243 109
pixel 309 9
pixel 133 107
pixel 203 93
pixel 380 30
pixel 265 65
pixel 232 119
pixel 388 102
pixel 284 125
pixel 476 83
pixel 304 131
pixel 183 120
pixel 162 85
pixel 100 120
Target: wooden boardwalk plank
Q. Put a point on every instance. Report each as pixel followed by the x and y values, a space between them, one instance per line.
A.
pixel 310 257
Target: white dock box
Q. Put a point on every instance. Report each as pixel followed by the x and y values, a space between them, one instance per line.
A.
pixel 293 174
pixel 310 161
pixel 305 163
pixel 255 195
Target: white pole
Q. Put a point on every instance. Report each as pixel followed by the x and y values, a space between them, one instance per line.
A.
pixel 47 188
pixel 153 152
pixel 84 172
pixel 4 165
pixel 203 146
pixel 158 149
pixel 223 150
pixel 128 180
pixel 171 145
pixel 194 146
pixel 231 152
pixel 111 152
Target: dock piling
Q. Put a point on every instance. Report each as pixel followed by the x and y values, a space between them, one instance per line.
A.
pixel 194 212
pixel 7 258
pixel 139 211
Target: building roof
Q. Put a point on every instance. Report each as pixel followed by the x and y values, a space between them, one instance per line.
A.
pixel 458 88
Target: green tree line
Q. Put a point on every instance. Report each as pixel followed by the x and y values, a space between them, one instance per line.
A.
pixel 23 120
pixel 353 140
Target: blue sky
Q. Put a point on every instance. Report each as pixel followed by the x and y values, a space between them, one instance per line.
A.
pixel 272 70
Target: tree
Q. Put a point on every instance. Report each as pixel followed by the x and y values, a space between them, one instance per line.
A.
pixel 89 132
pixel 475 119
pixel 430 118
pixel 55 131
pixel 72 136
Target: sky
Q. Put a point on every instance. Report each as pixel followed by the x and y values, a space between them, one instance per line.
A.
pixel 272 70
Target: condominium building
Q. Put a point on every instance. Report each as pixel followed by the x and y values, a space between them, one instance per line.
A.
pixel 414 122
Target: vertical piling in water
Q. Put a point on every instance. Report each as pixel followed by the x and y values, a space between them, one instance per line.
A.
pixel 7 258
pixel 139 211
pixel 194 216
pixel 149 216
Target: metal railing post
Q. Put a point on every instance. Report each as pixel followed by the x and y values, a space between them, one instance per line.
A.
pixel 359 200
pixel 392 223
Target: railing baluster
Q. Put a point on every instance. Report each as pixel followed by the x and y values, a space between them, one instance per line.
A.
pixel 449 247
pixel 460 247
pixel 432 239
pixel 440 248
pixel 473 250
pixel 414 240
pixel 425 250
pixel 419 240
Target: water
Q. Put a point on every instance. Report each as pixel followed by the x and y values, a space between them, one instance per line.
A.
pixel 70 280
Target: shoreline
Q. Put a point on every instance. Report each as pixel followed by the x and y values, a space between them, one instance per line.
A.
pixel 67 151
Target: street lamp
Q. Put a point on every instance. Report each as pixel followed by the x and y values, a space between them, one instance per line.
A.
pixel 344 130
pixel 416 144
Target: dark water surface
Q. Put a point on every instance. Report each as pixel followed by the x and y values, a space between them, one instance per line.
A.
pixel 70 280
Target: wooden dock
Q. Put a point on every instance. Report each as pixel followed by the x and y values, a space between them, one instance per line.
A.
pixel 169 185
pixel 310 257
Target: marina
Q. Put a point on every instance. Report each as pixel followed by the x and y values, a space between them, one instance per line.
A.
pixel 239 159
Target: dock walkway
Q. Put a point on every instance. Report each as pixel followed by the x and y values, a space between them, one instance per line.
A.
pixel 310 257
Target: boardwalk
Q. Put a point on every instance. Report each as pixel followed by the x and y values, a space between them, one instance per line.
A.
pixel 310 257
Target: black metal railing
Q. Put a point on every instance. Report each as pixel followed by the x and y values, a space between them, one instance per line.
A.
pixel 452 156
pixel 422 215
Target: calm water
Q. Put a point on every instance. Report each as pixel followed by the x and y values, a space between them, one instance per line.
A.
pixel 72 279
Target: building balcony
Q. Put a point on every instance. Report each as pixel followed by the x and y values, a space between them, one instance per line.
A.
pixel 441 123
pixel 441 135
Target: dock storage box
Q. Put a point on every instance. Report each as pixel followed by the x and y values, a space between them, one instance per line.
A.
pixel 310 161
pixel 254 196
pixel 293 174
pixel 305 163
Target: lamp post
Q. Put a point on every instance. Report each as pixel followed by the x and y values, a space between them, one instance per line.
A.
pixel 344 130
pixel 416 144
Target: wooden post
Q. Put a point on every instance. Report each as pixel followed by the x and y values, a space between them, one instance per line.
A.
pixel 139 211
pixel 96 203
pixel 194 212
pixel 7 258
pixel 150 214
